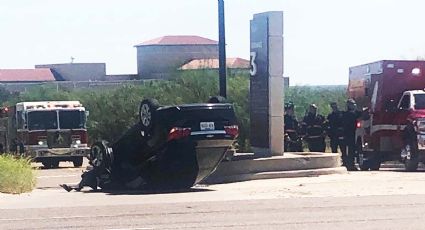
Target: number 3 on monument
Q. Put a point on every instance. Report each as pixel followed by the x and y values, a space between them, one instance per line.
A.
pixel 253 70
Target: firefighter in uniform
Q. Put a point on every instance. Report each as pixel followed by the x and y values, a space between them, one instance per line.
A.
pixel 349 120
pixel 313 130
pixel 335 129
pixel 293 142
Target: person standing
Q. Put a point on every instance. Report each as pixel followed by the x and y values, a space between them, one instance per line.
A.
pixel 336 130
pixel 313 129
pixel 292 143
pixel 349 125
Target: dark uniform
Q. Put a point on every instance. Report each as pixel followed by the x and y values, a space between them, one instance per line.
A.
pixel 313 130
pixel 293 142
pixel 336 130
pixel 349 124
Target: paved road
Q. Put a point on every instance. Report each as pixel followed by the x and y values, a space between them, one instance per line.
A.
pixel 388 199
pixel 369 212
pixel 66 173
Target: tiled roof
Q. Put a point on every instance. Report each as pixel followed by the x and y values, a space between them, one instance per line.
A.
pixel 179 40
pixel 26 75
pixel 232 63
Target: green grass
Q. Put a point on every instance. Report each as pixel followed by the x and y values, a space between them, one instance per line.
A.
pixel 16 175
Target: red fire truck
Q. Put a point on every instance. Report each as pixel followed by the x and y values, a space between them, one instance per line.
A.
pixel 46 131
pixel 391 93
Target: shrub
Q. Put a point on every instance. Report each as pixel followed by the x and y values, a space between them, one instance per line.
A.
pixel 113 111
pixel 303 96
pixel 16 175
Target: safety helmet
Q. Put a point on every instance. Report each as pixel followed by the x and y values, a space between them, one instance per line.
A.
pixel 351 101
pixel 289 105
pixel 351 105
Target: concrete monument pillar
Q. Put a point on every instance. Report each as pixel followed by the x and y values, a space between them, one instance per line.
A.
pixel 267 84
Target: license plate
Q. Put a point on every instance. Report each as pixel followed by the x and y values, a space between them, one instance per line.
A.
pixel 207 126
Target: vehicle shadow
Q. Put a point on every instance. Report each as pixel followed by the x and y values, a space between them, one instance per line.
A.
pixel 149 191
pixel 41 167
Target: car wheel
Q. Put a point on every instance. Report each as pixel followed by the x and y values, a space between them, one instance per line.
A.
pixel 361 158
pixel 78 162
pixel 101 155
pixel 410 157
pixel 147 112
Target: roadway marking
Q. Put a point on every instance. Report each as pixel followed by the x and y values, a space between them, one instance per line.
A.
pixel 72 217
pixel 55 218
pixel 130 228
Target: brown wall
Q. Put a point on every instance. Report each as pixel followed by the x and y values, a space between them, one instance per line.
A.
pixel 77 71
pixel 159 61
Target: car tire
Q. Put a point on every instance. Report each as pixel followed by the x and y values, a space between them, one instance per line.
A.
pixel 147 114
pixel 101 155
pixel 78 162
pixel 411 161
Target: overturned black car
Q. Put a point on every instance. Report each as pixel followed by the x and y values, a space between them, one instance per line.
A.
pixel 171 147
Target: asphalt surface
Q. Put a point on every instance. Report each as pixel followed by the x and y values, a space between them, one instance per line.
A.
pixel 388 199
pixel 66 173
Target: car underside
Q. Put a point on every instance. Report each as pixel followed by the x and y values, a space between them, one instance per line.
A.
pixel 171 147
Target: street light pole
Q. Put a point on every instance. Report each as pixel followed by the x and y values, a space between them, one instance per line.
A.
pixel 222 49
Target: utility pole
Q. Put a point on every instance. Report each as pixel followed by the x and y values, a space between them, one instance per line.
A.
pixel 222 49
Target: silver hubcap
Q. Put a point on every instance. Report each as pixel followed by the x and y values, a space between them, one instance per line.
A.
pixel 98 156
pixel 406 152
pixel 145 115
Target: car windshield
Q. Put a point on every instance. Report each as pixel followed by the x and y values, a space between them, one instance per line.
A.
pixel 419 101
pixel 41 120
pixel 72 119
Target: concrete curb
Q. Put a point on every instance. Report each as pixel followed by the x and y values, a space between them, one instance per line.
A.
pixel 289 165
pixel 275 175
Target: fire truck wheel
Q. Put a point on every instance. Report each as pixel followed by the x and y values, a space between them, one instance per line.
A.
pixel 49 164
pixel 147 112
pixel 411 160
pixel 78 162
pixel 361 158
pixel 46 164
pixel 375 164
pixel 55 164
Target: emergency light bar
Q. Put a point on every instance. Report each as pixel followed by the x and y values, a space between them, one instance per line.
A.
pixel 50 104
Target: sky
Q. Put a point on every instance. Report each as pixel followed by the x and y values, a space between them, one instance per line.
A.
pixel 322 39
